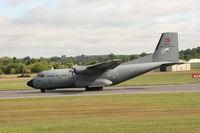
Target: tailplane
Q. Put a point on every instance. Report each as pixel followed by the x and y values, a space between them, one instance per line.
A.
pixel 167 48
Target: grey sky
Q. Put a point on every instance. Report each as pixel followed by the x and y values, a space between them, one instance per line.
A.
pixel 64 27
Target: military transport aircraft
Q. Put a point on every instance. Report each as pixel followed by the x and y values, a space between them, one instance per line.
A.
pixel 97 76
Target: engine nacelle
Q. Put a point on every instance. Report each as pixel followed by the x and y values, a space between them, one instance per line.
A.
pixel 80 70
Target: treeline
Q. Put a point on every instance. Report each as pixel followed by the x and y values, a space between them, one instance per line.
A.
pixel 29 65
pixel 190 54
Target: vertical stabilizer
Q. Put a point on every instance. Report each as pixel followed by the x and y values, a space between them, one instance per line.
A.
pixel 167 48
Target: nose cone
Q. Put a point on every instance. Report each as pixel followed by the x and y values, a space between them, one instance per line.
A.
pixel 30 83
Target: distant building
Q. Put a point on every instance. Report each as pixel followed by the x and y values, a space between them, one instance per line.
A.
pixel 176 68
pixel 194 61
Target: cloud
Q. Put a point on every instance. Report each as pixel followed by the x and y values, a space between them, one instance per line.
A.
pixel 18 2
pixel 97 27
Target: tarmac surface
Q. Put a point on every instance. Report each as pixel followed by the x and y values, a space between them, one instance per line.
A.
pixel 32 93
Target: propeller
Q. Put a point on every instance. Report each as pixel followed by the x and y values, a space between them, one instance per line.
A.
pixel 73 69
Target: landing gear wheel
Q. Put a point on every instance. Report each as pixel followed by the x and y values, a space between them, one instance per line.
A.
pixel 88 89
pixel 100 88
pixel 94 88
pixel 42 90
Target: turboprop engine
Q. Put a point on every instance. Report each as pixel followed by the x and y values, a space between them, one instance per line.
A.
pixel 80 70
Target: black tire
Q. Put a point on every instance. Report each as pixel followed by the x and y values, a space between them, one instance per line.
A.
pixel 87 89
pixel 42 90
pixel 100 88
pixel 94 88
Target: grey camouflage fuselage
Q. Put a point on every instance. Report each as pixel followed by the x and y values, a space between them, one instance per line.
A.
pixel 110 72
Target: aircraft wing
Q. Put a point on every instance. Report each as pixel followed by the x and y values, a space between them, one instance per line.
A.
pixel 105 65
pixel 100 67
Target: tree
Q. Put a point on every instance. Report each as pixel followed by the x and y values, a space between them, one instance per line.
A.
pixel 25 69
pixel 133 57
pixel 92 62
pixel 56 66
pixel 15 60
pixel 12 71
pixel 12 68
pixel 5 60
pixel 143 54
pixel 111 56
pixel 40 66
pixel 27 60
pixel 1 71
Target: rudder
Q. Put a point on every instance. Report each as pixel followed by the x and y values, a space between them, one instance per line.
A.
pixel 167 48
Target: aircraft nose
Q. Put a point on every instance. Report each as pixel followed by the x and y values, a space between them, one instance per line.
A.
pixel 30 83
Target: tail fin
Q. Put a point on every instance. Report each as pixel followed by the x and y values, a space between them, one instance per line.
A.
pixel 167 48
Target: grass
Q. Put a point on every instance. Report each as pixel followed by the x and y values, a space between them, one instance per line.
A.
pixel 153 78
pixel 14 83
pixel 158 78
pixel 141 113
pixel 197 67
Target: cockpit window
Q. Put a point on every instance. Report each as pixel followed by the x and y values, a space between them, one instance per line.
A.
pixel 40 75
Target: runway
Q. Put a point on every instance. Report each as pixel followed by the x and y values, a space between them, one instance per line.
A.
pixel 32 93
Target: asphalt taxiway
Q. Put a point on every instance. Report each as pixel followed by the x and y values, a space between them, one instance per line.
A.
pixel 32 93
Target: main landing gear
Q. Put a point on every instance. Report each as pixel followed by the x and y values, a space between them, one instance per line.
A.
pixel 86 88
pixel 94 88
pixel 42 90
